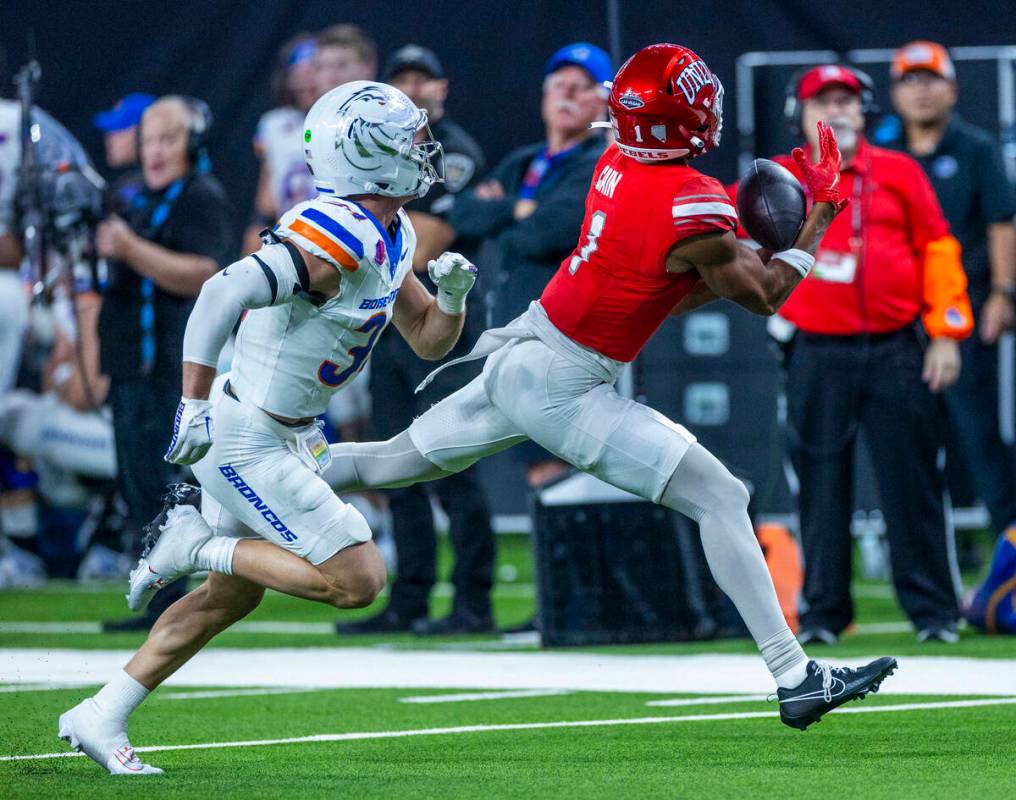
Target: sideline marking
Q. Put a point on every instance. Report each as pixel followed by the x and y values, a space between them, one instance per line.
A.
pixel 213 693
pixel 526 726
pixel 38 687
pixel 465 697
pixel 328 629
pixel 709 701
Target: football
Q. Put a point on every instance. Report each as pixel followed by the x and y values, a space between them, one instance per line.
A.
pixel 770 204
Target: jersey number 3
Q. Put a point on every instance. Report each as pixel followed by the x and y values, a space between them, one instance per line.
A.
pixel 328 372
pixel 595 229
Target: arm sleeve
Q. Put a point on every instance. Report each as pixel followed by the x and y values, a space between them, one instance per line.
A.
pixel 268 277
pixel 947 309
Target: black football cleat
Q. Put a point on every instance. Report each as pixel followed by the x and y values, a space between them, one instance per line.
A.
pixel 177 494
pixel 827 688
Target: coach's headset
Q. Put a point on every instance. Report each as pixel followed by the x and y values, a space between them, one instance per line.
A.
pixel 792 107
pixel 199 121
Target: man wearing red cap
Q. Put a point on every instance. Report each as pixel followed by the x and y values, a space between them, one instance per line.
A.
pixel 966 170
pixel 878 323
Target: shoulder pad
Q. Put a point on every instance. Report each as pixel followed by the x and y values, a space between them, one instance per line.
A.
pixel 330 229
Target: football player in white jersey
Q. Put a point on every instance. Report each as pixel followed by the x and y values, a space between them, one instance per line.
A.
pixel 338 270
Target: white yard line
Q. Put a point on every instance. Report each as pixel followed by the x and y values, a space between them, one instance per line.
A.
pixel 708 701
pixel 527 726
pixel 37 687
pixel 466 697
pixel 214 693
pixel 435 670
pixel 882 627
pixel 50 627
pixel 270 627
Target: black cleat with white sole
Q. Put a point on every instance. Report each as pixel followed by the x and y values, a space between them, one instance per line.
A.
pixel 177 494
pixel 827 688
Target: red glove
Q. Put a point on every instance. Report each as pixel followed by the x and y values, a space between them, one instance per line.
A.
pixel 822 178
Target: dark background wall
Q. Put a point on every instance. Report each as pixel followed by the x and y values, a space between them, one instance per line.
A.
pixel 92 53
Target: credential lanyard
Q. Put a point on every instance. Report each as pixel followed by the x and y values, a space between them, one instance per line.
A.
pixel 157 219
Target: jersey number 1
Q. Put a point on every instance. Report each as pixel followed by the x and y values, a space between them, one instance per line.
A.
pixel 595 229
pixel 328 372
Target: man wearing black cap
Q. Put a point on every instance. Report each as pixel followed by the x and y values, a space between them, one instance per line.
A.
pixel 396 371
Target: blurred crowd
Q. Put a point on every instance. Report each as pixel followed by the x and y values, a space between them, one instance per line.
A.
pixel 896 334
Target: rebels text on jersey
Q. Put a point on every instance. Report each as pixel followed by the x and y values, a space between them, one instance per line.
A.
pixel 291 358
pixel 614 290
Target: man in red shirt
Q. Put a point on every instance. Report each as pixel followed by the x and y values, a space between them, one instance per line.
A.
pixel 658 239
pixel 878 323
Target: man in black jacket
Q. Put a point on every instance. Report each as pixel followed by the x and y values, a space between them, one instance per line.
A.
pixel 395 373
pixel 173 237
pixel 529 210
pixel 531 205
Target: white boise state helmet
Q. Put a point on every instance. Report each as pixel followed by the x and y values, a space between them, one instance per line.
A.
pixel 360 138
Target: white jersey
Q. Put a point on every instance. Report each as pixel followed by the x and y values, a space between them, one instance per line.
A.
pixel 291 358
pixel 279 142
pixel 10 159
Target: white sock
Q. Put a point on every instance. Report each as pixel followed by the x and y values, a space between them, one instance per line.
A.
pixel 118 698
pixel 785 658
pixel 216 555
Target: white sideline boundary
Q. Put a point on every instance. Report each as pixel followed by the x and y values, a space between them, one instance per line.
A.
pixel 434 670
pixel 270 627
pixel 527 726
pixel 212 694
pixel 466 697
pixel 708 701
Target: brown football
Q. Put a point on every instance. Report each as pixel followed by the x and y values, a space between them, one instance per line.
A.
pixel 770 204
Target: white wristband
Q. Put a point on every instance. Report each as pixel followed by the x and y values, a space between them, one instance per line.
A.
pixel 798 259
pixel 451 303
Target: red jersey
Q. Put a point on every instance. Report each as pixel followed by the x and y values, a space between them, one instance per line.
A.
pixel 614 291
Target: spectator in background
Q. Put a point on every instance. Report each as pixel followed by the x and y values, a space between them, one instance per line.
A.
pixel 965 167
pixel 346 53
pixel 859 358
pixel 119 127
pixel 343 53
pixel 530 207
pixel 173 237
pixel 396 372
pixel 283 179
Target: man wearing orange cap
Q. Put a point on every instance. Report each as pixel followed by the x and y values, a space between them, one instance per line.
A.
pixel 877 327
pixel 966 170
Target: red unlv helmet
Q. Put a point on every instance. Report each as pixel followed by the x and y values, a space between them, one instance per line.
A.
pixel 666 103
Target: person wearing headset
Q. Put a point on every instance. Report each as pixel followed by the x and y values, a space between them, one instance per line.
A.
pixel 877 328
pixel 172 237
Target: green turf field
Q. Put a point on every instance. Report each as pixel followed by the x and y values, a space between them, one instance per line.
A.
pixel 370 742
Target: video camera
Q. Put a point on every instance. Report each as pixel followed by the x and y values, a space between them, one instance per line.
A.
pixel 58 202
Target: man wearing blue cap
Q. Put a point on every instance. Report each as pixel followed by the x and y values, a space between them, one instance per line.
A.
pixel 119 126
pixel 529 210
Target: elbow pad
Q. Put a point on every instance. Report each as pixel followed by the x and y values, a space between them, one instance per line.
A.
pixel 947 309
pixel 269 277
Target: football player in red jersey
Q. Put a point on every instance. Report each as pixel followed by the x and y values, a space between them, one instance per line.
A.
pixel 658 239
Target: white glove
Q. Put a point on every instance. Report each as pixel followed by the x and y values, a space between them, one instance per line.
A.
pixel 454 276
pixel 192 432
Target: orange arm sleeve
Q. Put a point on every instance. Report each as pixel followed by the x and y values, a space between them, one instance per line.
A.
pixel 947 309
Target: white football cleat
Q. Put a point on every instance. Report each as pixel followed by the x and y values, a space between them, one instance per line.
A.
pixel 87 731
pixel 170 552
